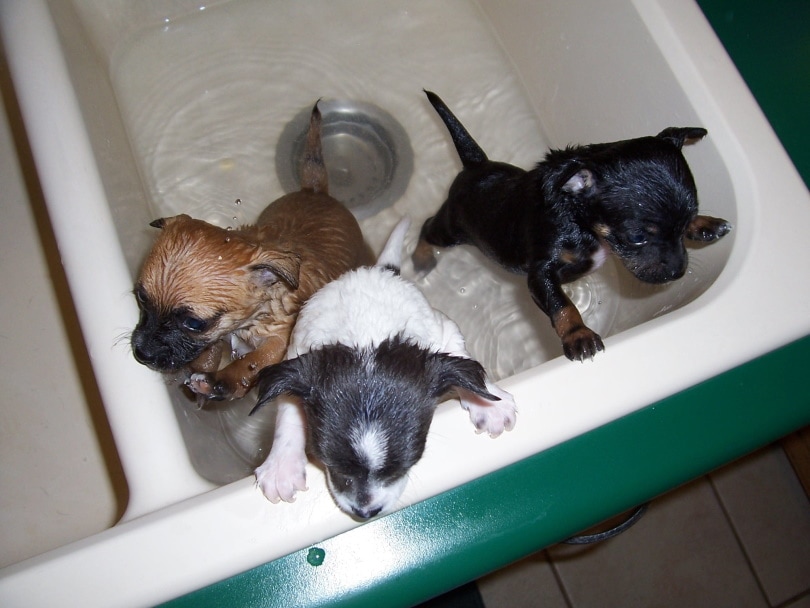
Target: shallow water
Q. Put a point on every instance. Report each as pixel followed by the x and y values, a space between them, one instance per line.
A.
pixel 205 99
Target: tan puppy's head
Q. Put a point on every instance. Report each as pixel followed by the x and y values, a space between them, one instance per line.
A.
pixel 201 283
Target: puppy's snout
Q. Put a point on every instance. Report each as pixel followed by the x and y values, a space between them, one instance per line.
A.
pixel 151 359
pixel 141 357
pixel 366 513
pixel 140 350
pixel 659 266
pixel 151 352
pixel 660 274
pixel 676 273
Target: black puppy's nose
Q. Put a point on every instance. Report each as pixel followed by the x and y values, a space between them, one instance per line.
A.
pixel 156 358
pixel 363 513
pixel 675 273
pixel 141 356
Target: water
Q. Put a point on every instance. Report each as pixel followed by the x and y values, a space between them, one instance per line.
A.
pixel 205 98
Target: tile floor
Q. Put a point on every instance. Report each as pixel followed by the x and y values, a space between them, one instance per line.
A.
pixel 738 538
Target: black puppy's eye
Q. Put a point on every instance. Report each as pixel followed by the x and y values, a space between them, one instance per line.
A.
pixel 193 324
pixel 637 238
pixel 342 483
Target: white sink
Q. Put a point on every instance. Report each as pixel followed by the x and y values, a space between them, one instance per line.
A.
pixel 139 110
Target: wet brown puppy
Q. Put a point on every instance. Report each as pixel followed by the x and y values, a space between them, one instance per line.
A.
pixel 204 290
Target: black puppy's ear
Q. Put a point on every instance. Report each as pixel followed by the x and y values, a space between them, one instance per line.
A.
pixel 581 182
pixel 448 371
pixel 679 135
pixel 706 229
pixel 285 377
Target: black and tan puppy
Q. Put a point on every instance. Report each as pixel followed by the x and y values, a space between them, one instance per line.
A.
pixel 559 221
pixel 203 289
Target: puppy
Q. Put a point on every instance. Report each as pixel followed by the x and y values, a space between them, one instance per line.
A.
pixel 559 221
pixel 369 358
pixel 203 287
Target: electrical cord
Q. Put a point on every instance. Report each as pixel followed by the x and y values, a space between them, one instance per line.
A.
pixel 587 539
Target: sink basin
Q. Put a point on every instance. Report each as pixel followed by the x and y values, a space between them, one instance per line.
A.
pixel 141 110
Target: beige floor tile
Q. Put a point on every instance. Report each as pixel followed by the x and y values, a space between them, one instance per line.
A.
pixel 682 553
pixel 771 515
pixel 528 583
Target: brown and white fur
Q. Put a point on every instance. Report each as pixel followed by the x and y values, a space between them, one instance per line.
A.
pixel 204 289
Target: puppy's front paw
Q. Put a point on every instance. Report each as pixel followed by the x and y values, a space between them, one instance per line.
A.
pixel 206 385
pixel 424 260
pixel 582 343
pixel 282 475
pixel 492 417
pixel 201 384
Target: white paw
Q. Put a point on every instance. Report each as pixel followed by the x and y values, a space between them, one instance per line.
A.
pixel 282 475
pixel 492 417
pixel 199 383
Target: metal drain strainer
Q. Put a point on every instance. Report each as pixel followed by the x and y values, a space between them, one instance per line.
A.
pixel 367 153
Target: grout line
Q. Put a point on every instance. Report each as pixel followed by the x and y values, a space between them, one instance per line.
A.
pixel 718 496
pixel 796 598
pixel 568 602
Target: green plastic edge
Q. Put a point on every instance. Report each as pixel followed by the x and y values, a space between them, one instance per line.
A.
pixel 460 535
pixel 484 525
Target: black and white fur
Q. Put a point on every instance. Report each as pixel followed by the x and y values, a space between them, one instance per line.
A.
pixel 368 361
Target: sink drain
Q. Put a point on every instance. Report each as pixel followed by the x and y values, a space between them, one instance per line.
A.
pixel 367 153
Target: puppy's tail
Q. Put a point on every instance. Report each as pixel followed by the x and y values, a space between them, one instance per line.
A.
pixel 468 150
pixel 313 169
pixel 391 256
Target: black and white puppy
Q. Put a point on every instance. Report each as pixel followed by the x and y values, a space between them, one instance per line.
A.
pixel 635 198
pixel 368 362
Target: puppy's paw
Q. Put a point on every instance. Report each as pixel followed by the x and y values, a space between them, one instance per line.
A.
pixel 206 385
pixel 282 475
pixel 201 384
pixel 424 260
pixel 582 343
pixel 492 417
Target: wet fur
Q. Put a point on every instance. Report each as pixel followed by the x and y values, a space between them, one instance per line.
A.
pixel 635 198
pixel 204 290
pixel 367 364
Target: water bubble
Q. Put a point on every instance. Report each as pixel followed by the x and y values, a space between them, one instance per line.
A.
pixel 238 201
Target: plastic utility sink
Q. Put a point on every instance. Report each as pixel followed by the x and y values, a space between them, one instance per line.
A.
pixel 137 111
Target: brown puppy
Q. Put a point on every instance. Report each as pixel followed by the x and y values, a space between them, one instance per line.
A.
pixel 203 286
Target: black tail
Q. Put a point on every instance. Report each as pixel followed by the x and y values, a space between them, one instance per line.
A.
pixel 468 150
pixel 313 170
